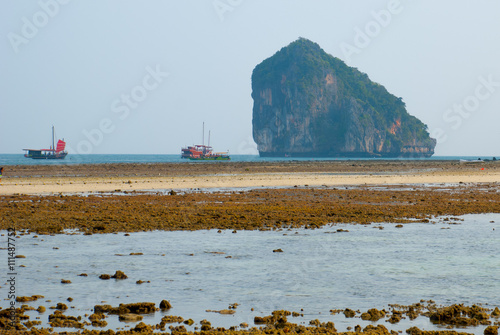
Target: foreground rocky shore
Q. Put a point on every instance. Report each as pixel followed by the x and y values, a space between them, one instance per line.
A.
pixel 277 323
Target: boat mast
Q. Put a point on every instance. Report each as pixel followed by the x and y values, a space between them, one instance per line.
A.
pixel 53 144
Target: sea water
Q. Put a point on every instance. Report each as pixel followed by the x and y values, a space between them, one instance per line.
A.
pixel 71 159
pixel 318 270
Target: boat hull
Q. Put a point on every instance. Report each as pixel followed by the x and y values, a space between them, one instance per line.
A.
pixel 203 153
pixel 209 158
pixel 58 156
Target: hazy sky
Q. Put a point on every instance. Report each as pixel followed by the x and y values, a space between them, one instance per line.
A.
pixel 133 76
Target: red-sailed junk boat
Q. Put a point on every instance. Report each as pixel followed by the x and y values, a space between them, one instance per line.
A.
pixel 203 152
pixel 55 152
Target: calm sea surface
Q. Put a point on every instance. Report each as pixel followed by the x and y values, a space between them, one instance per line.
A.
pixel 319 270
pixel 19 159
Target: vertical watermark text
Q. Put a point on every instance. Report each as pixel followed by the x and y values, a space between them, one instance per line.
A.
pixel 11 275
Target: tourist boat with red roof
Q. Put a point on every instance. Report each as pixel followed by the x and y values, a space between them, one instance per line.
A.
pixel 55 151
pixel 203 152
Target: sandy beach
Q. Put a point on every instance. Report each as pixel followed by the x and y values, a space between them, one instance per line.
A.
pixel 47 185
pixel 136 177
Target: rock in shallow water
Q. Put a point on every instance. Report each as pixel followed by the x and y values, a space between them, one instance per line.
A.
pixel 491 330
pixel 373 314
pixel 119 275
pixel 165 304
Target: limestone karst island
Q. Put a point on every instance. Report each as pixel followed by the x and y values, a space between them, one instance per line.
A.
pixel 308 103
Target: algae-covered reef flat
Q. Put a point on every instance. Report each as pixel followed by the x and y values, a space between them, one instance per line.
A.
pixel 309 207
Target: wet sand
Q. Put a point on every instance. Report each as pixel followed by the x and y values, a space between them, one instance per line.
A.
pixel 134 177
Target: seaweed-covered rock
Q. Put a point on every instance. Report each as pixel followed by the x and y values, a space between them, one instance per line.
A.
pixel 141 327
pixel 139 307
pixel 119 275
pixel 379 330
pixel 373 314
pixel 165 304
pixel 460 315
pixel 395 317
pixel 58 319
pixel 136 308
pixel 349 313
pixel 491 330
pixel 60 306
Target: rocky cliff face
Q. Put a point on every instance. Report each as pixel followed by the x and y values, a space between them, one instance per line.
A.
pixel 308 103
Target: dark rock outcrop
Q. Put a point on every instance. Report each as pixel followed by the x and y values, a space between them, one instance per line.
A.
pixel 308 103
pixel 165 304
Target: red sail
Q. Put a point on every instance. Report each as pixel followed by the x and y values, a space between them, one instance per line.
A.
pixel 60 146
